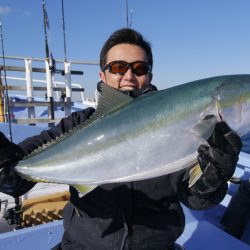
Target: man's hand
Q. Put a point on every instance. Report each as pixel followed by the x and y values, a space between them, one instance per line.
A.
pixel 218 160
pixel 9 152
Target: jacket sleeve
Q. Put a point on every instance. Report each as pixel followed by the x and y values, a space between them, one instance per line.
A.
pixel 10 182
pixel 193 198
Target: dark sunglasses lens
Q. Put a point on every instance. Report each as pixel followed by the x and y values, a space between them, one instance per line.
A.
pixel 118 68
pixel 140 68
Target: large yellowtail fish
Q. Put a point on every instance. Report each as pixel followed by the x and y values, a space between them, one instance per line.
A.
pixel 131 139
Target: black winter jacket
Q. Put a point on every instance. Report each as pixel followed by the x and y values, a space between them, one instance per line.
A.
pixel 136 215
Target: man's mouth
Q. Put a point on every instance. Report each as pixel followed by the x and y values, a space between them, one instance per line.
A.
pixel 128 87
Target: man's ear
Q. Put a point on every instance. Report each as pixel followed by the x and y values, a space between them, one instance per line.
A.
pixel 150 77
pixel 102 76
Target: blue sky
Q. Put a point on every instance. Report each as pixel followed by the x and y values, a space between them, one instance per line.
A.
pixel 191 39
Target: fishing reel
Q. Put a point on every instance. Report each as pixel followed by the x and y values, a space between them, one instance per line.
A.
pixel 13 216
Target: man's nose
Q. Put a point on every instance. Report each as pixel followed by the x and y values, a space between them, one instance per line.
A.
pixel 129 74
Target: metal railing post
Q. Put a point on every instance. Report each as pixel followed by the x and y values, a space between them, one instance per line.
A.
pixel 68 88
pixel 30 95
pixel 49 90
pixel 2 116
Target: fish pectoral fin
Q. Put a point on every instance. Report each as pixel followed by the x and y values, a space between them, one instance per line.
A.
pixel 205 127
pixel 194 174
pixel 84 189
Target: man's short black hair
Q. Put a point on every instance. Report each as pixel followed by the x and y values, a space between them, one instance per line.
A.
pixel 125 35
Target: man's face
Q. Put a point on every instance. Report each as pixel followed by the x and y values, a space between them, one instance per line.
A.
pixel 129 81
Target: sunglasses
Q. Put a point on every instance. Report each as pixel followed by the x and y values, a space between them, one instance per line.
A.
pixel 138 68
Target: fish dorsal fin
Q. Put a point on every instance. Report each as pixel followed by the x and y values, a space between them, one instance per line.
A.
pixel 110 99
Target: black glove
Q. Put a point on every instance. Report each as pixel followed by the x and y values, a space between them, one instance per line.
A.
pixel 218 160
pixel 10 182
pixel 9 152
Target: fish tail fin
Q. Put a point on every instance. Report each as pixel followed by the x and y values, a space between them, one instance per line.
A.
pixel 194 174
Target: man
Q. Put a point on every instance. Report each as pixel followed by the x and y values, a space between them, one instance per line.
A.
pixel 137 215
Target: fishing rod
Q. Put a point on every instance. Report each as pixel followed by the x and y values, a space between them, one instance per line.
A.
pixel 131 18
pixel 129 21
pixel 49 58
pixel 12 215
pixel 5 82
pixel 66 95
pixel 64 32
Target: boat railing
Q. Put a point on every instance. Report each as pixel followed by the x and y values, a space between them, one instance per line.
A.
pixel 57 92
pixel 56 84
